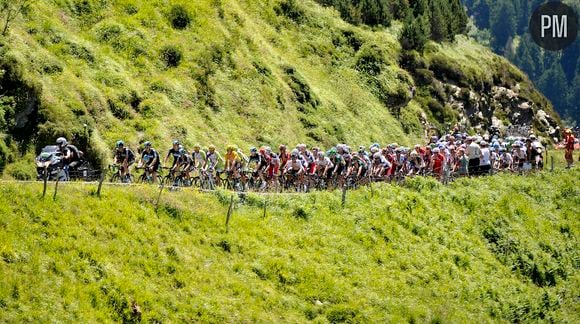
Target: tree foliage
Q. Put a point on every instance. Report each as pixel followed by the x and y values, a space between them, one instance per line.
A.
pixel 556 73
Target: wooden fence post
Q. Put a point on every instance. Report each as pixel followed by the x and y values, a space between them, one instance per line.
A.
pixel 229 215
pixel 159 196
pixel 343 196
pixel 551 163
pixel 103 173
pixel 56 186
pixel 45 182
pixel 265 204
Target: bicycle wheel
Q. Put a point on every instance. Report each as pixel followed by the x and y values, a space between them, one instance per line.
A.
pixel 115 178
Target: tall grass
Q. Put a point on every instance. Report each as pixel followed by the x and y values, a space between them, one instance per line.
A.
pixel 500 248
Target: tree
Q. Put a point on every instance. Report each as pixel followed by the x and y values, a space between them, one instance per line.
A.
pixel 503 24
pixel 481 13
pixel 415 33
pixel 10 9
pixel 439 30
pixel 553 84
pixel 523 57
pixel 457 19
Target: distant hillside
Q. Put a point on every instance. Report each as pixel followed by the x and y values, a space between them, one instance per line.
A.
pixel 247 72
pixel 503 24
pixel 496 249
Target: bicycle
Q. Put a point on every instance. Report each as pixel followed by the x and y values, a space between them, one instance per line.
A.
pixel 147 177
pixel 116 176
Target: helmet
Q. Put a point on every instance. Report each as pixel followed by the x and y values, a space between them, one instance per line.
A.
pixel 119 144
pixel 320 154
pixel 268 149
pixel 295 151
pixel 262 150
pixel 332 151
pixel 282 147
pixel 377 155
pixel 230 147
pixel 374 149
pixel 253 150
pixel 61 141
pixel 176 142
pixel 197 146
pixel 294 156
pixel 182 151
pixel 211 147
pixel 147 144
pixel 436 150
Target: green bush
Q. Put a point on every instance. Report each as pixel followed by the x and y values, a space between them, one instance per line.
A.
pixel 22 169
pixel 371 60
pixel 445 70
pixel 179 17
pixel 171 55
pixel 291 9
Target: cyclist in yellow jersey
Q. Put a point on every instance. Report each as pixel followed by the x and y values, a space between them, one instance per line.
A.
pixel 233 160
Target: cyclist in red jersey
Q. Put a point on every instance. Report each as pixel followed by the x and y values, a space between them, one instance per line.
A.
pixel 437 161
pixel 284 156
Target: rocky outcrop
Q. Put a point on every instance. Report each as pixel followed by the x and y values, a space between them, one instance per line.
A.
pixel 503 108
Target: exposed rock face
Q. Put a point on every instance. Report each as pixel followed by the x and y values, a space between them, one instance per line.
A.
pixel 502 108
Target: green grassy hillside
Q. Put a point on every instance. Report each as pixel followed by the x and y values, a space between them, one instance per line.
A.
pixel 248 72
pixel 501 248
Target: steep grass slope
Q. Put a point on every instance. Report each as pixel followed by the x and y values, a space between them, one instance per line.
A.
pixel 248 72
pixel 492 249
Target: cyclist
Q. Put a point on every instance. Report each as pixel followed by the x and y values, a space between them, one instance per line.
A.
pixel 150 160
pixel 380 165
pixel 198 156
pixel 254 161
pixel 307 157
pixel 124 157
pixel 294 166
pixel 233 161
pixel 71 155
pixel 338 161
pixel 415 163
pixel 212 159
pixel 173 151
pixel 184 164
pixel 284 156
pixel 324 166
pixel 274 166
pixel 437 163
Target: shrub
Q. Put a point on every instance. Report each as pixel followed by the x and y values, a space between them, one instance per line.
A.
pixel 179 17
pixel 108 32
pixel 291 9
pixel 301 213
pixel 79 51
pixel 445 70
pixel 171 55
pixel 371 60
pixel 21 170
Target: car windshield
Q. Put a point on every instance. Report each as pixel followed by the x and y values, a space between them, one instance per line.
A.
pixel 50 149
